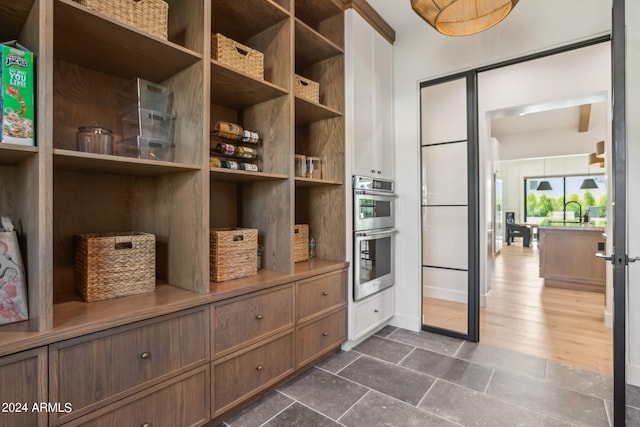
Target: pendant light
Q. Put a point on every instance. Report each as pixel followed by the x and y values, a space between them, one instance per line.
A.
pixel 544 185
pixel 589 183
pixel 462 17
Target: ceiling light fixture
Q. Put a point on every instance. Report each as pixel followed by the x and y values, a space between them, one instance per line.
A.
pixel 544 185
pixel 462 17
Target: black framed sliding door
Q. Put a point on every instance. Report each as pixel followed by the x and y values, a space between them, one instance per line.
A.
pixel 450 206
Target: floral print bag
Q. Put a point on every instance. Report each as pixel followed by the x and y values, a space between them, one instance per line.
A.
pixel 13 298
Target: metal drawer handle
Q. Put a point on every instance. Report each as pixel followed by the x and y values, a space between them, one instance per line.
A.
pixel 376 311
pixel 259 317
pixel 325 293
pixel 146 425
pixel 145 355
pixel 325 334
pixel 259 368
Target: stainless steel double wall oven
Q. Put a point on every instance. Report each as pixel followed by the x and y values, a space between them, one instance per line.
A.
pixel 373 235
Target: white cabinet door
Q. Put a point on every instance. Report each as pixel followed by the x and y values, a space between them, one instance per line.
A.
pixel 363 119
pixel 383 105
pixel 372 110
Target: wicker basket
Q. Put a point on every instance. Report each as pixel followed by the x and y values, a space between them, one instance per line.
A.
pixel 150 16
pixel 307 89
pixel 112 265
pixel 233 253
pixel 237 56
pixel 300 242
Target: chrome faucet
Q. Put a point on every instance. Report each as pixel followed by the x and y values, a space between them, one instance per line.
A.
pixel 564 210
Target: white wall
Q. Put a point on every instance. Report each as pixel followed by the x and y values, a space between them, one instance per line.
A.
pixel 422 54
pixel 633 183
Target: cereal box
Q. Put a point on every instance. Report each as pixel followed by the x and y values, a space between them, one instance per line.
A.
pixel 16 96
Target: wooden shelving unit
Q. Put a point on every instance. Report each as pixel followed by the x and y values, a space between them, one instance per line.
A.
pixel 53 192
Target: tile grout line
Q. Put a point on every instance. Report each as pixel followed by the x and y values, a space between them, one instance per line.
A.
pixel 279 412
pixel 352 406
pixel 420 347
pixel 455 354
pixel 606 411
pixel 405 357
pixel 341 369
pixel 427 392
pixel 322 414
pixel 493 371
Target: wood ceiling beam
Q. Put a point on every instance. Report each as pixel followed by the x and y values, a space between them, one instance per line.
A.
pixel 585 117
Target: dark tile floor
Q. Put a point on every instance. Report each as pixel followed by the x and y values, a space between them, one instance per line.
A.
pixel 403 378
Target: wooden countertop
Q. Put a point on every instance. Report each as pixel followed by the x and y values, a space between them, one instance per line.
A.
pixel 73 317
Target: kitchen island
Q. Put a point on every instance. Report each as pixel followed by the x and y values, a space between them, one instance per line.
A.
pixel 567 256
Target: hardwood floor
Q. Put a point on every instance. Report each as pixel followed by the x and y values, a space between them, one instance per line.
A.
pixel 523 315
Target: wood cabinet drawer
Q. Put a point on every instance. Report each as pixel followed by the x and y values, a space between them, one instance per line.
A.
pixel 181 401
pixel 321 294
pixel 237 378
pixel 372 312
pixel 320 336
pixel 249 319
pixel 23 382
pixel 96 369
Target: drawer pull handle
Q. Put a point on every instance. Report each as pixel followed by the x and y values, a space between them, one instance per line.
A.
pixel 145 355
pixel 259 368
pixel 376 311
pixel 259 317
pixel 325 334
pixel 325 293
pixel 146 425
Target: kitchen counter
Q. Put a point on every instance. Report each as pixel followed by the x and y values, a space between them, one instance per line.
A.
pixel 567 256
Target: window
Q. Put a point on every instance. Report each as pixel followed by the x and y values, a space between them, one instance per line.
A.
pixel 549 204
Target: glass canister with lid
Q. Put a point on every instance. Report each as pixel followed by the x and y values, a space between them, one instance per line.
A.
pixel 95 139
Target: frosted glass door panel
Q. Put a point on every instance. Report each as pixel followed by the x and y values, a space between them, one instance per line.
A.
pixel 444 174
pixel 445 299
pixel 445 236
pixel 444 112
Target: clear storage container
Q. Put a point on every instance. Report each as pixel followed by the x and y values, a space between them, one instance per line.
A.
pixel 314 167
pixel 148 124
pixel 300 165
pixel 140 93
pixel 145 148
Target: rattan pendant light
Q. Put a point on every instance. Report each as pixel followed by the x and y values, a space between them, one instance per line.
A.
pixel 462 17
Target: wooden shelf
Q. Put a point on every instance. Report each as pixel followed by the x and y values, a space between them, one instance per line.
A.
pixel 221 174
pixel 12 154
pixel 102 163
pixel 93 40
pixel 313 11
pixel 312 47
pixel 309 182
pixel 14 14
pixel 308 111
pixel 233 89
pixel 242 19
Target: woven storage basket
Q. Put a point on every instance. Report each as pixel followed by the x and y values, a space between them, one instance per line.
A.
pixel 150 16
pixel 307 89
pixel 237 56
pixel 233 253
pixel 112 265
pixel 300 242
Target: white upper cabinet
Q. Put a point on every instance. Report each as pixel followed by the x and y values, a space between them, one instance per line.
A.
pixel 369 98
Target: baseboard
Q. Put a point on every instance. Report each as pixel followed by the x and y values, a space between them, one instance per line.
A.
pixel 633 374
pixel 445 294
pixel 349 344
pixel 608 319
pixel 410 323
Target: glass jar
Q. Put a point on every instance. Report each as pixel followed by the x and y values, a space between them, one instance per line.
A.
pixel 95 139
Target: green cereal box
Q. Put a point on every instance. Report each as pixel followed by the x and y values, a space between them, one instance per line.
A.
pixel 16 96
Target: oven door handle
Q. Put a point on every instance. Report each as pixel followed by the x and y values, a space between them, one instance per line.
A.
pixel 375 193
pixel 376 233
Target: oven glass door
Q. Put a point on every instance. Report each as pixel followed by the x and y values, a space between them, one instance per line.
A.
pixel 373 262
pixel 373 210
